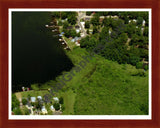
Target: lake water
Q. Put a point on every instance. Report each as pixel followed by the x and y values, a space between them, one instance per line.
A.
pixel 37 55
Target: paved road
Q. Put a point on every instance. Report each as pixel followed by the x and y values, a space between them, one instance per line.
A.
pixel 81 15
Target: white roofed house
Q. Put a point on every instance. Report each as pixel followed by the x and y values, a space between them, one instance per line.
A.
pixel 39 97
pixel 52 108
pixel 83 23
pixel 143 23
pixel 44 110
pixel 56 99
pixel 33 99
pixel 77 28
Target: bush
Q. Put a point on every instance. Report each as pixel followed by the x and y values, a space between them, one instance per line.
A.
pixel 146 67
pixel 87 24
pixel 61 100
pixel 56 106
pixel 17 111
pixel 26 111
pixel 63 107
pixel 139 65
pixel 24 101
pixel 35 87
pixel 60 23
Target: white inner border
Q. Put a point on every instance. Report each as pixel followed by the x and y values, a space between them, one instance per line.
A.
pixel 83 117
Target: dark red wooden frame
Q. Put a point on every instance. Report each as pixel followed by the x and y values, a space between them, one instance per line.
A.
pixel 6 4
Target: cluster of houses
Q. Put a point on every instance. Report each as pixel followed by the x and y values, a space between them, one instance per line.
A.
pixel 81 26
pixel 43 109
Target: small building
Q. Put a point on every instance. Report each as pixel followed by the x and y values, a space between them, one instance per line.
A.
pixel 114 17
pixel 83 24
pixel 28 104
pixel 102 17
pixel 44 111
pixel 134 20
pixel 73 40
pixel 52 108
pixel 70 27
pixel 46 25
pixel 77 30
pixel 33 99
pixel 77 44
pixel 23 89
pixel 143 23
pixel 90 31
pixel 56 99
pixel 109 32
pixel 77 27
pixel 87 19
pixel 39 97
pixel 60 35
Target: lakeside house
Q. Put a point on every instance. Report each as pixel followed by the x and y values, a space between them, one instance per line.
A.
pixel 75 39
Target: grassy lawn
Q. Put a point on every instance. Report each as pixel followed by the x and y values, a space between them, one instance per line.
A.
pixel 33 93
pixel 69 99
pixel 70 44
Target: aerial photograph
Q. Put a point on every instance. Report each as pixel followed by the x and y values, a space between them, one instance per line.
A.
pixel 80 63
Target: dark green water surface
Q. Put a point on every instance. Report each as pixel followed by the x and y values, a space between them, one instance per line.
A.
pixel 37 56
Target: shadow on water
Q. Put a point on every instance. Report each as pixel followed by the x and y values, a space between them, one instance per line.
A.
pixel 37 56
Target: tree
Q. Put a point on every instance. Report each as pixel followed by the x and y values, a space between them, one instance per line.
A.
pixel 95 30
pixel 15 102
pixel 87 24
pixel 17 111
pixel 72 19
pixel 139 65
pixel 123 38
pixel 87 31
pixel 88 13
pixel 133 59
pixel 84 42
pixel 24 101
pixel 29 96
pixel 63 107
pixel 146 67
pixel 104 33
pixel 65 25
pixel 38 104
pixel 95 20
pixel 78 34
pixel 73 33
pixel 64 15
pixel 56 106
pixel 139 21
pixel 145 33
pixel 60 23
pixel 56 14
pixel 26 111
pixel 107 22
pixel 61 100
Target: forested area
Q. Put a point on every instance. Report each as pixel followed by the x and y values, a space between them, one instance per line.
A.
pixel 105 87
pixel 125 38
